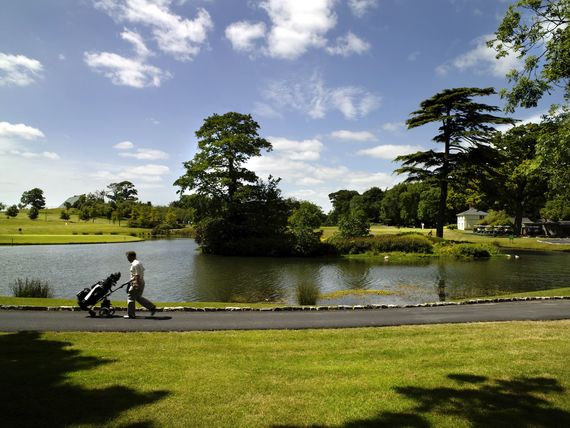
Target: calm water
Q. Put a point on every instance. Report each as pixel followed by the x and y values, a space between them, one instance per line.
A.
pixel 176 271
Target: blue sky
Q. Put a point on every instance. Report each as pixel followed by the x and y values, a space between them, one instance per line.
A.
pixel 99 91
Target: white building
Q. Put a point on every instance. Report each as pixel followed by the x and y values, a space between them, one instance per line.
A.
pixel 467 219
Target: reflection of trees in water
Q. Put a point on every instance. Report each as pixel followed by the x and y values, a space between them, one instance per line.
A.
pixel 442 278
pixel 236 279
pixel 355 275
pixel 36 390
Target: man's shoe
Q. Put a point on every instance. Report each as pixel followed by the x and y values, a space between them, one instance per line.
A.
pixel 153 311
pixel 128 317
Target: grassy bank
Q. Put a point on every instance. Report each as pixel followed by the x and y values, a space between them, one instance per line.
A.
pixel 30 301
pixel 48 228
pixel 503 374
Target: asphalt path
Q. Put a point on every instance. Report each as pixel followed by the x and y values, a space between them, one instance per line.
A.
pixel 15 320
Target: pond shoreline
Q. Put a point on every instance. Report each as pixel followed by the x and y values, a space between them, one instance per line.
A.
pixel 292 308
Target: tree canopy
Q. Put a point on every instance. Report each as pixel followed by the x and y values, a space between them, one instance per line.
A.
pixel 539 32
pixel 34 197
pixel 465 131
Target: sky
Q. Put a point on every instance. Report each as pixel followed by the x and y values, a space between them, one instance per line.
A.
pixel 94 92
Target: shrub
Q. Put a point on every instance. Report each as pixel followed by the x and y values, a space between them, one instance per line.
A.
pixel 307 294
pixel 64 215
pixel 414 243
pixel 12 211
pixel 33 213
pixel 465 251
pixel 31 288
pixel 452 226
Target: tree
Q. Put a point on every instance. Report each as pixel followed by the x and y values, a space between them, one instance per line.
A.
pixel 33 213
pixel 371 202
pixel 354 225
pixel 340 201
pixel 303 221
pixel 236 212
pixel 539 32
pixel 519 181
pixel 225 143
pixel 464 134
pixel 124 191
pixel 12 211
pixel 2 206
pixel 34 197
pixel 553 152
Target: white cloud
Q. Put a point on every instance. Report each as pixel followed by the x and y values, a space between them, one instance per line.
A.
pixel 137 41
pixel 243 35
pixel 360 7
pixel 348 45
pixel 19 131
pixel 354 135
pixel 389 151
pixel 265 110
pixel 305 150
pixel 413 56
pixel 175 35
pixel 13 138
pixel 32 155
pixel 313 98
pixel 298 26
pixel 18 70
pixel 394 127
pixel 146 154
pixel 150 173
pixel 124 145
pixel 124 71
pixel 481 59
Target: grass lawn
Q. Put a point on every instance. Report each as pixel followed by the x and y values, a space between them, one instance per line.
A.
pixel 33 301
pixel 48 228
pixel 487 374
pixel 460 235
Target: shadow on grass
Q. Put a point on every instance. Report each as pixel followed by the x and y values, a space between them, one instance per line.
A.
pixel 478 401
pixel 35 390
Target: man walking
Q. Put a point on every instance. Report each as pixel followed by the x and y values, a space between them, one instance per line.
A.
pixel 136 288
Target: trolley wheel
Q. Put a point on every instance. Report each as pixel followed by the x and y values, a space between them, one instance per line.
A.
pixel 104 312
pixel 92 313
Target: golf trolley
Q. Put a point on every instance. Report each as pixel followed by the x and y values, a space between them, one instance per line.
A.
pixel 100 292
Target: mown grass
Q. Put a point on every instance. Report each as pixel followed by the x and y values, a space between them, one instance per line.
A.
pixel 48 228
pixel 30 301
pixel 488 374
pixel 465 236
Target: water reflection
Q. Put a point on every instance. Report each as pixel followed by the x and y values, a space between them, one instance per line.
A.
pixel 176 271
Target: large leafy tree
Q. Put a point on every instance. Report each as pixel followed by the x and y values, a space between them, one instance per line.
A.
pixel 340 201
pixel 554 156
pixel 236 212
pixel 465 131
pixel 539 32
pixel 225 143
pixel 124 191
pixel 34 197
pixel 520 183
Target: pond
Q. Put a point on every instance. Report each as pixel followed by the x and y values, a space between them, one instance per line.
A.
pixel 177 271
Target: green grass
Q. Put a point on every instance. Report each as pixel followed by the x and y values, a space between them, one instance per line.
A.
pixel 49 229
pixel 460 235
pixel 487 374
pixel 30 301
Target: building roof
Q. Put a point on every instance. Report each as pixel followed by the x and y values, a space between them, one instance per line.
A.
pixel 71 200
pixel 473 211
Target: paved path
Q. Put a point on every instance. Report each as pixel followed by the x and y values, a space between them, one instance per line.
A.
pixel 191 321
